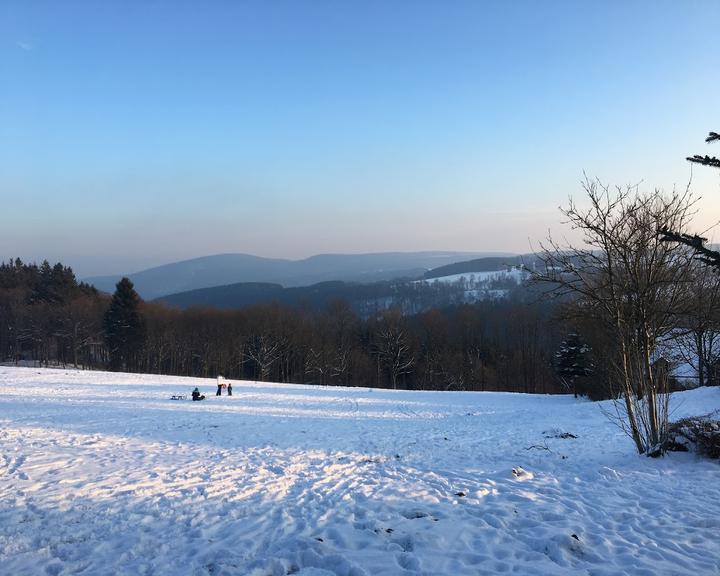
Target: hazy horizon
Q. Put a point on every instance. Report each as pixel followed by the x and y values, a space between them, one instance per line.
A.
pixel 152 264
pixel 138 134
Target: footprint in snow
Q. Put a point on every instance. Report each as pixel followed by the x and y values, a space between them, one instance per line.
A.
pixel 408 562
pixel 53 569
pixel 414 514
pixel 406 542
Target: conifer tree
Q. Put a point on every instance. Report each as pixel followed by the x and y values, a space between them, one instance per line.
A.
pixel 572 362
pixel 124 327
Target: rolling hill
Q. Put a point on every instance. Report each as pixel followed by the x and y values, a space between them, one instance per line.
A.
pixel 224 269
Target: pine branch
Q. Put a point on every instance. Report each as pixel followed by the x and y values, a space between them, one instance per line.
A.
pixel 704 160
pixel 697 243
pixel 707 160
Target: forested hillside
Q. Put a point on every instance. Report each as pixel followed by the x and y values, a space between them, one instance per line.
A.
pixel 490 264
pixel 367 300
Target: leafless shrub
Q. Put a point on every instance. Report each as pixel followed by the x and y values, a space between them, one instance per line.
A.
pixel 634 286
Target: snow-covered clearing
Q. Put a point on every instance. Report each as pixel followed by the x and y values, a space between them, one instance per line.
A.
pixel 477 286
pixel 515 275
pixel 103 474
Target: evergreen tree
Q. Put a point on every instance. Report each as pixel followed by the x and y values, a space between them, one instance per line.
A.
pixel 53 284
pixel 694 241
pixel 124 327
pixel 572 362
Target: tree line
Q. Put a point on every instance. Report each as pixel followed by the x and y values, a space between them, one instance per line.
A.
pixel 48 317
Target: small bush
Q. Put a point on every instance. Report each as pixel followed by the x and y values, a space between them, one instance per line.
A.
pixel 699 434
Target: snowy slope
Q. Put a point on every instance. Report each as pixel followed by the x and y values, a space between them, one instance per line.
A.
pixel 479 286
pixel 516 275
pixel 104 474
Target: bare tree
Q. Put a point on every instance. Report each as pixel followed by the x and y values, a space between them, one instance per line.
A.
pixel 264 350
pixel 323 362
pixel 82 316
pixel 393 347
pixel 342 325
pixel 698 344
pixel 634 284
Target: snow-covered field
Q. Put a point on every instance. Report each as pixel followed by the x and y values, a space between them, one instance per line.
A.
pixel 515 275
pixel 104 474
pixel 482 285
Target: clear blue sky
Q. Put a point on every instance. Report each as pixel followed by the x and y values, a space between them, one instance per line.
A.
pixel 136 133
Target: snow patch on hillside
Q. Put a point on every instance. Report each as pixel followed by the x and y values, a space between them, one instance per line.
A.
pixel 516 275
pixel 478 286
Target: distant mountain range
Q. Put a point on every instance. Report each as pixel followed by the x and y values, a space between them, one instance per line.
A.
pixel 224 269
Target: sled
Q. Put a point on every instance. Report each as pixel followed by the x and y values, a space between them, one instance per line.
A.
pixel 178 397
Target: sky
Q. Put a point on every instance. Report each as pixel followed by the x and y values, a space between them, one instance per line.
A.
pixel 138 133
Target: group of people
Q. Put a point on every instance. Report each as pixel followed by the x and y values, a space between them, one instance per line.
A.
pixel 196 396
